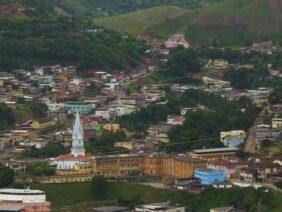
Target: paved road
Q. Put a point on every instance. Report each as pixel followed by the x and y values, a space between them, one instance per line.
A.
pixel 250 145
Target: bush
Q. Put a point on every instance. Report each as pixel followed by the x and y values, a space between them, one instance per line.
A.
pixel 100 186
pixel 6 176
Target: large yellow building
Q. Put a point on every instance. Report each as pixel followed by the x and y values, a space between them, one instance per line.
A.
pixel 171 166
pixel 118 165
pixel 149 165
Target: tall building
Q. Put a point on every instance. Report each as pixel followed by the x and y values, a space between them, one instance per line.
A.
pixel 77 157
pixel 77 148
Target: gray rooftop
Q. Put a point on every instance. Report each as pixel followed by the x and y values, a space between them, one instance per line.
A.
pixel 111 209
pixel 11 207
pixel 225 149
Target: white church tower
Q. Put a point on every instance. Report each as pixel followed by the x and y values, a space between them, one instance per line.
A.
pixel 77 148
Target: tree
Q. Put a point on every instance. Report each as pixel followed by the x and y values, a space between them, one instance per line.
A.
pixel 52 149
pixel 40 169
pixel 38 109
pixel 100 186
pixel 7 118
pixel 279 184
pixel 6 176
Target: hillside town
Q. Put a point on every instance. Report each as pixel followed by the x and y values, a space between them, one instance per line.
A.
pixel 64 113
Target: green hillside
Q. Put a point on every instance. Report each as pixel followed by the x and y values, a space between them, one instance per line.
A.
pixel 80 197
pixel 90 9
pixel 138 22
pixel 230 22
pixel 37 33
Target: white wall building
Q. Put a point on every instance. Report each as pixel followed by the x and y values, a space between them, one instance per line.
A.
pixel 22 195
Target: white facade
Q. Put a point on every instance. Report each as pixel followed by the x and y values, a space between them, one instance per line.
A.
pixel 104 113
pixel 55 107
pixel 22 195
pixel 69 164
pixel 161 207
pixel 77 148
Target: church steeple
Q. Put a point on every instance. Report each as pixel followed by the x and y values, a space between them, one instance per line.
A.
pixel 77 138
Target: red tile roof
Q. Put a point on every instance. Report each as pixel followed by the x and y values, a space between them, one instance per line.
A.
pixel 70 156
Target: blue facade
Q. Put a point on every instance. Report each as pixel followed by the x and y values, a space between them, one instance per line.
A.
pixel 208 176
pixel 233 141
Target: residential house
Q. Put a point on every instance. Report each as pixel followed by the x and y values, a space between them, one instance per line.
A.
pixel 248 174
pixel 124 144
pixel 230 166
pixel 104 113
pixel 175 120
pixel 215 83
pixel 232 138
pixel 158 133
pixel 176 40
pixel 276 123
pixel 220 64
pixel 111 127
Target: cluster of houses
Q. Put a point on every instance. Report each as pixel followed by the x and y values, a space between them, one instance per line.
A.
pixel 99 99
pixel 265 47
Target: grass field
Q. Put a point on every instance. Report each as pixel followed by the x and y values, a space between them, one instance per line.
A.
pixel 80 197
pixel 137 22
pixel 74 196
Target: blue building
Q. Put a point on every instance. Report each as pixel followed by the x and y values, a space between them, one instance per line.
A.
pixel 233 141
pixel 208 176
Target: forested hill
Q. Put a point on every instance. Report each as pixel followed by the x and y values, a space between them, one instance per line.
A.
pixel 38 32
pixel 102 8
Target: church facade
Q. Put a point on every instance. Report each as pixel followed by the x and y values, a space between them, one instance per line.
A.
pixel 77 157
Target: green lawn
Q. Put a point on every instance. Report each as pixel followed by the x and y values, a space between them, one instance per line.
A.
pixel 133 88
pixel 79 196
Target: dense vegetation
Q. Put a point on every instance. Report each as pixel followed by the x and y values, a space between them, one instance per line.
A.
pixel 40 36
pixel 40 169
pixel 7 117
pixel 100 186
pixel 105 143
pixel 252 78
pixel 181 63
pixel 98 8
pixel 221 114
pixel 276 96
pixel 80 196
pixel 6 176
pixel 50 150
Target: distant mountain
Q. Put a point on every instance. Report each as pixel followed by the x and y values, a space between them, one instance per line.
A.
pixel 138 22
pixel 231 22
